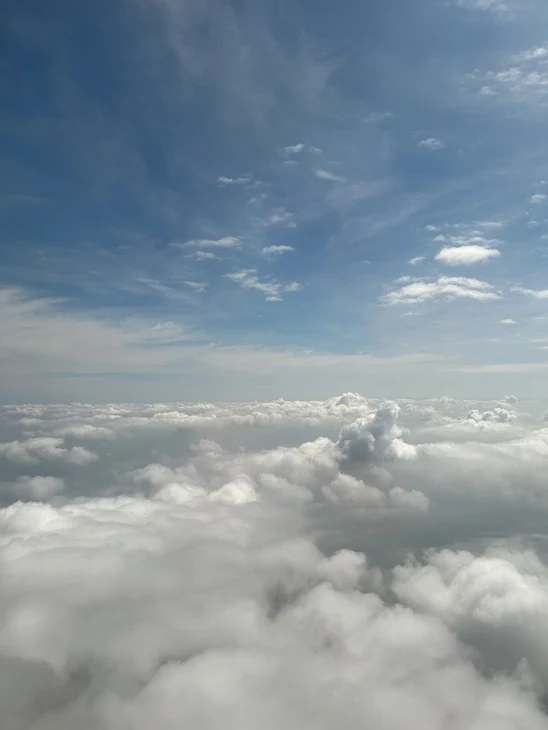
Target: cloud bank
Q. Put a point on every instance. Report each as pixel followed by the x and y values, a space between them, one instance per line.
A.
pixel 277 564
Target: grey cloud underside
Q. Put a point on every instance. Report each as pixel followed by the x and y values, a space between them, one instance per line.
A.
pixel 289 564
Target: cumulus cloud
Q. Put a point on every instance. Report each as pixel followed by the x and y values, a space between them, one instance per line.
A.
pixel 33 489
pixel 377 439
pixel 282 564
pixel 465 255
pixel 509 320
pixel 498 415
pixel 45 448
pixel 445 287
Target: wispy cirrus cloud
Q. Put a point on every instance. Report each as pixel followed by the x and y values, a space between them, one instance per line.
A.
pixel 242 180
pixel 534 293
pixel 224 242
pixel 329 176
pixel 498 7
pixel 272 290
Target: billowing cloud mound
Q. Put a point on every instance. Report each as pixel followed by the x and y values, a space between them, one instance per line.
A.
pixel 377 439
pixel 318 564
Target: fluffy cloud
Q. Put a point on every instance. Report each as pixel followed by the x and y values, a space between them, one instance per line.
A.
pixel 498 415
pixel 34 489
pixel 377 439
pixel 45 448
pixel 445 287
pixel 465 255
pixel 282 564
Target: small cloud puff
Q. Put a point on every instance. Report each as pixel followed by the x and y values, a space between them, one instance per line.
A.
pixel 431 143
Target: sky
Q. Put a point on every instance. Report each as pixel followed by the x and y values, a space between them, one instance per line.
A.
pixel 273 338
pixel 213 200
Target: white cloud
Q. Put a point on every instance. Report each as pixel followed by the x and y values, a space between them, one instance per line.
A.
pixel 498 415
pixel 535 293
pixel 45 448
pixel 32 489
pixel 431 143
pixel 198 286
pixel 272 290
pixel 416 260
pixel 276 250
pixel 204 255
pixel 85 431
pixel 327 175
pixel 538 198
pixel 293 149
pixel 377 439
pixel 469 238
pixel 281 217
pixel 532 54
pixel 445 287
pixel 244 179
pixel 524 81
pixel 510 399
pixel 384 577
pixel 508 321
pixel 465 255
pixel 494 6
pixel 224 242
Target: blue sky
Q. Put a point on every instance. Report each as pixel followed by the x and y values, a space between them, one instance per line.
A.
pixel 238 200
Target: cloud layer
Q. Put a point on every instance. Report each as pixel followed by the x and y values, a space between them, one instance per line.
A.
pixel 283 564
